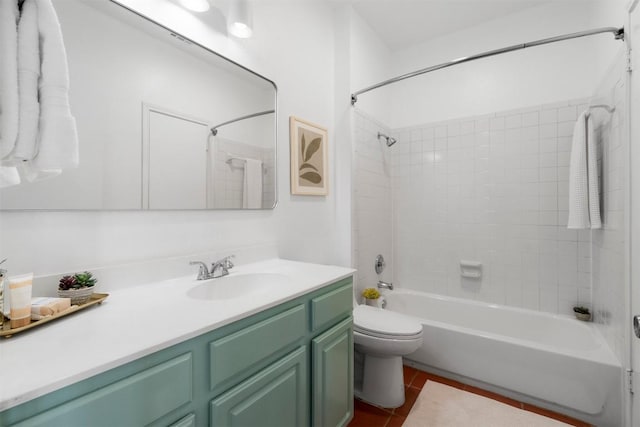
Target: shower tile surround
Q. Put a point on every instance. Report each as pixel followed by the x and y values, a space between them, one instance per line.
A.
pixel 493 189
pixel 372 211
pixel 228 178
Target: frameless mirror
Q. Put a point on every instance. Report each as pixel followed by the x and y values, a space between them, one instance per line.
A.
pixel 145 100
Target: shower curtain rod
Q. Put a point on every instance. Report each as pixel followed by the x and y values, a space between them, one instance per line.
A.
pixel 618 33
pixel 214 130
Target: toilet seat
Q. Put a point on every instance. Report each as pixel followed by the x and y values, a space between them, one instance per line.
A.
pixel 381 323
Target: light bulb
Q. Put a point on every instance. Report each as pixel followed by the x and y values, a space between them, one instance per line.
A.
pixel 239 20
pixel 240 30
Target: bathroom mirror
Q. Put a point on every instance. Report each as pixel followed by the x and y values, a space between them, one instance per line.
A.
pixel 145 100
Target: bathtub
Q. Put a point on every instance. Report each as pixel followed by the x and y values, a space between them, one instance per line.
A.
pixel 548 360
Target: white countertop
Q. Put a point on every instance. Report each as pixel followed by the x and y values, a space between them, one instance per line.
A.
pixel 135 322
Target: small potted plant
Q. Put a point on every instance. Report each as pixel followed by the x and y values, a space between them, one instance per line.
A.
pixel 78 287
pixel 371 296
pixel 582 313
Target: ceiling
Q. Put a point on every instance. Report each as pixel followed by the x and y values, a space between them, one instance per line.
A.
pixel 402 23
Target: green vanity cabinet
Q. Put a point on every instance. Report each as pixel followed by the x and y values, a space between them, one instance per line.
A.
pixel 289 365
pixel 332 379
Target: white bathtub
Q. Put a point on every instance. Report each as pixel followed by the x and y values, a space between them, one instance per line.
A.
pixel 550 360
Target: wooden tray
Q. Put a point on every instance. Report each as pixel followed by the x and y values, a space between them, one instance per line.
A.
pixel 7 332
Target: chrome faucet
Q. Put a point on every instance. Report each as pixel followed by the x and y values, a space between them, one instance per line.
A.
pixel 203 272
pixel 219 268
pixel 385 285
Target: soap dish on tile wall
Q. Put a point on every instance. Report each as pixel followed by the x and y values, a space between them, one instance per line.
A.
pixel 96 298
pixel 582 313
pixel 471 269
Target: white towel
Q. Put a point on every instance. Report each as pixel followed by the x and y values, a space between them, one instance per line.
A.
pixel 9 176
pixel 584 199
pixel 30 173
pixel 28 76
pixel 252 184
pixel 8 76
pixel 58 135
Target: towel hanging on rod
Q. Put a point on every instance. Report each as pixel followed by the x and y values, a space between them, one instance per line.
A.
pixel 232 157
pixel 584 194
pixel 609 108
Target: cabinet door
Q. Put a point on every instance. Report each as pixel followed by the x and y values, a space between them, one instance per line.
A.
pixel 277 396
pixel 332 376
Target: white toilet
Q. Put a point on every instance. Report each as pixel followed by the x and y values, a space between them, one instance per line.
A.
pixel 381 338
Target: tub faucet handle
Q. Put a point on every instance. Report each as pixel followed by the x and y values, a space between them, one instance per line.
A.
pixel 385 285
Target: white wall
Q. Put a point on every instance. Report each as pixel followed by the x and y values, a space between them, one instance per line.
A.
pixel 534 76
pixel 370 63
pixel 369 60
pixel 286 48
pixel 633 208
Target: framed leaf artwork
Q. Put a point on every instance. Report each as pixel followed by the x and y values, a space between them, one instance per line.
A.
pixel 309 168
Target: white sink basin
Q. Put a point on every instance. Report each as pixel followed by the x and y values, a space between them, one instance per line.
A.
pixel 237 286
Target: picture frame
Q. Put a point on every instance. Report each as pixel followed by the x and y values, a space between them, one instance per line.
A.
pixel 309 158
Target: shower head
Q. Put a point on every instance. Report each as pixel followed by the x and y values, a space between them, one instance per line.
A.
pixel 390 140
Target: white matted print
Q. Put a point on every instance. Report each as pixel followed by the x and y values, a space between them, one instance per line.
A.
pixel 309 167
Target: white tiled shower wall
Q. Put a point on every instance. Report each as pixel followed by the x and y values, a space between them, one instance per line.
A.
pixel 228 178
pixel 492 189
pixel 372 201
pixel 610 291
pixel 495 189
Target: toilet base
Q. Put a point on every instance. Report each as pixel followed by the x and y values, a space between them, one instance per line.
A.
pixel 383 381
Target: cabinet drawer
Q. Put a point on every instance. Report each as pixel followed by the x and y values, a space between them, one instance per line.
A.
pixel 332 307
pixel 137 400
pixel 236 354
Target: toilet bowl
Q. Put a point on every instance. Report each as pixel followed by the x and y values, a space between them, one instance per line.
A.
pixel 383 337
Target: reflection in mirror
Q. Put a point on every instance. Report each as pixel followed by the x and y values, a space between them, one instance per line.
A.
pixel 146 100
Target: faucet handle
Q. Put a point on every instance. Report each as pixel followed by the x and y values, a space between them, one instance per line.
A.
pixel 203 271
pixel 221 267
pixel 227 261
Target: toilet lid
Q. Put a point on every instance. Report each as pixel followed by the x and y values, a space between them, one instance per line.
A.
pixel 376 321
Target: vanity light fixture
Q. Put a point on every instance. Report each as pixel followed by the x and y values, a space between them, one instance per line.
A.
pixel 239 21
pixel 196 5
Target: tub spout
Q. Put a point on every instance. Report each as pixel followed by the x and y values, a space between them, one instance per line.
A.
pixel 385 285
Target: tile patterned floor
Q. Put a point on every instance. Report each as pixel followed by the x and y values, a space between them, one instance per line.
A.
pixel 366 415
